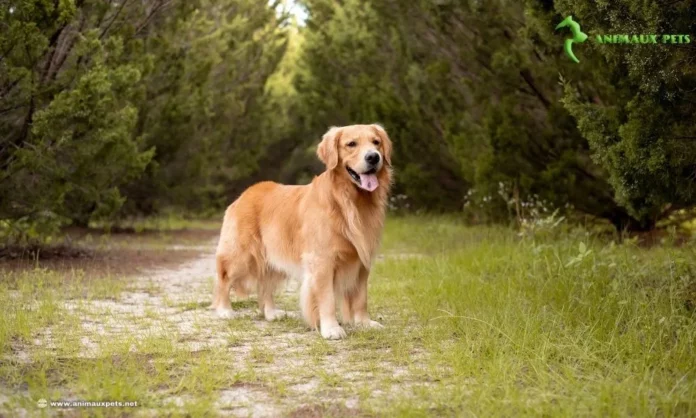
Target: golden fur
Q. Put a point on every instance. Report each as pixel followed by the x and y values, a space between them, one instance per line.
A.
pixel 325 233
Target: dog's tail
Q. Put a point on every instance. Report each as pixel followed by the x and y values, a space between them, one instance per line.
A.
pixel 308 304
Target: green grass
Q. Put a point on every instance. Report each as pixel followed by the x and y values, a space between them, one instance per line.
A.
pixel 164 223
pixel 480 321
pixel 564 326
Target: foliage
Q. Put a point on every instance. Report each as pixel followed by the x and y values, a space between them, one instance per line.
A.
pixel 161 102
pixel 471 93
pixel 205 108
pixel 113 109
pixel 638 115
pixel 356 67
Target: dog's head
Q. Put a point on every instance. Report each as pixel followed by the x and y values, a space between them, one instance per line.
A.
pixel 360 152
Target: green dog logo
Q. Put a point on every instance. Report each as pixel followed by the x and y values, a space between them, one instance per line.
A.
pixel 578 36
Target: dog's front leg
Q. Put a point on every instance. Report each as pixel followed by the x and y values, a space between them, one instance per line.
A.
pixel 323 289
pixel 359 301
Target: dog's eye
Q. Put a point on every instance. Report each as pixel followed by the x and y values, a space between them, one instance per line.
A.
pixel 352 144
pixel 376 142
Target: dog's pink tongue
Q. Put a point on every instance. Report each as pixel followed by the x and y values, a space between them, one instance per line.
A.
pixel 369 182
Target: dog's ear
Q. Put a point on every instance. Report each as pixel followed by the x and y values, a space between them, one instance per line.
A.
pixel 327 151
pixel 386 142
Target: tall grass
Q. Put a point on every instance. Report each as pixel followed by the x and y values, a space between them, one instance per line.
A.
pixel 557 324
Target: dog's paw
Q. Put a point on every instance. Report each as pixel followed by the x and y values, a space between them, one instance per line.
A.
pixel 335 332
pixel 275 314
pixel 224 313
pixel 368 323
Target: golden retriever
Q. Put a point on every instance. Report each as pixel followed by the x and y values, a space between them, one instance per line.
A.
pixel 325 234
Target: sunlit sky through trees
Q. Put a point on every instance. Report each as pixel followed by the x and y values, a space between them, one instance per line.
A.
pixel 296 10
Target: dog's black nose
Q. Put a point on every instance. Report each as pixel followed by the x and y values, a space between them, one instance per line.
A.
pixel 372 158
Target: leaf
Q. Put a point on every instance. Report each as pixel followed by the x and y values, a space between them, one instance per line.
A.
pixel 582 248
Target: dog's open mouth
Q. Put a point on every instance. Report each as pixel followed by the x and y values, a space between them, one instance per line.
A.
pixel 366 181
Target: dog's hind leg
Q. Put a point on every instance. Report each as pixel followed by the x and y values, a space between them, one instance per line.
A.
pixel 223 284
pixel 229 275
pixel 226 263
pixel 347 309
pixel 267 286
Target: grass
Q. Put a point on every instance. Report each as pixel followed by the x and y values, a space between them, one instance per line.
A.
pixel 163 223
pixel 480 321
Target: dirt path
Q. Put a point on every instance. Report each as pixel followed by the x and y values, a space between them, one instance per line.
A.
pixel 166 299
pixel 275 369
pixel 172 303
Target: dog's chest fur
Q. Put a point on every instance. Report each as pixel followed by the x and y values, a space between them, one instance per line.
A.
pixel 361 223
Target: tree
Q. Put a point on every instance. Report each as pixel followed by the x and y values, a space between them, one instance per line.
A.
pixel 206 111
pixel 151 103
pixel 468 107
pixel 472 93
pixel 493 93
pixel 638 113
pixel 67 115
pixel 356 67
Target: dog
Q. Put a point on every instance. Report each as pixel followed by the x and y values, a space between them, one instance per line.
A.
pixel 325 234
